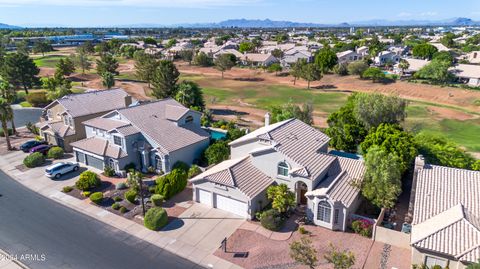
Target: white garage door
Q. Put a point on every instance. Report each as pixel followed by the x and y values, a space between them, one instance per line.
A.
pixel 234 206
pixel 204 197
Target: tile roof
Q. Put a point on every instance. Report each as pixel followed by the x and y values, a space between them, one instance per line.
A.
pixel 100 147
pixel 58 128
pixel 238 173
pixel 106 124
pixel 446 216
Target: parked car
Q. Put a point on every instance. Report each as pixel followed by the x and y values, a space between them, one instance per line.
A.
pixel 62 168
pixel 42 149
pixel 25 147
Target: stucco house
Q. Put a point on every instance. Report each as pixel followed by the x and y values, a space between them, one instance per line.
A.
pixel 63 119
pixel 257 59
pixel 348 56
pixel 386 57
pixel 467 73
pixel 156 134
pixel 289 152
pixel 446 216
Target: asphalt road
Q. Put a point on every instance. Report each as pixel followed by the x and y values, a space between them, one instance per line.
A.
pixel 54 236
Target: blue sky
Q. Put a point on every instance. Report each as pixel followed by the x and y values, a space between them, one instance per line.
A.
pixel 118 12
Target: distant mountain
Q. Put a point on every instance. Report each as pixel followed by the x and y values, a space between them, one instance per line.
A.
pixel 6 26
pixel 448 22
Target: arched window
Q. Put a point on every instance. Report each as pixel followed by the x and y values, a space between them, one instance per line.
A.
pixel 324 211
pixel 282 169
pixel 188 119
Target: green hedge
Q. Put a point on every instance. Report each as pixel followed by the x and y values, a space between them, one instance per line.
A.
pixel 55 153
pixel 34 160
pixel 130 195
pixel 96 197
pixel 271 220
pixel 88 180
pixel 156 218
pixel 171 183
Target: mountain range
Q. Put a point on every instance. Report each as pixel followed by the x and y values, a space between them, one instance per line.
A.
pixel 6 26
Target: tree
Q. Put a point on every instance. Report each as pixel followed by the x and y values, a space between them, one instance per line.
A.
pixel 444 56
pixel 6 114
pixel 171 43
pixel 57 87
pixel 297 69
pixel 357 68
pixel 82 61
pixel 283 199
pixel 424 51
pixel 107 63
pixel 326 59
pixel 108 80
pixel 164 79
pixel 42 47
pixel 217 152
pixel 20 70
pixel 475 265
pixel 281 37
pixel 225 62
pixel 187 55
pixel 86 48
pixel 341 69
pixel 373 109
pixel 346 132
pixel 392 139
pixel 8 93
pixel 246 47
pixel 448 40
pixel 382 180
pixel 310 72
pixel 145 66
pixel 201 59
pixel 374 73
pixel 476 165
pixel 275 67
pixel 403 65
pixel 65 67
pixel 339 259
pixel 22 47
pixel 303 252
pixel 290 110
pixel 277 53
pixel 190 95
pixel 437 71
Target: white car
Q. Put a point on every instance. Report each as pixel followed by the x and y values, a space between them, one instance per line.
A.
pixel 62 168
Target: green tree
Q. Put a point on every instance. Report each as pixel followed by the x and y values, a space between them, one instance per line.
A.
pixel 171 43
pixel 246 47
pixel 6 115
pixel 164 79
pixel 8 93
pixel 275 67
pixel 357 68
pixel 225 62
pixel 217 152
pixel 290 110
pixel 108 80
pixel 382 180
pixel 65 67
pixel 310 72
pixel 424 51
pixel 375 108
pixel 22 47
pixel 57 87
pixel 303 252
pixel 187 55
pixel 475 265
pixel 403 65
pixel 86 48
pixel 20 70
pixel 283 199
pixel 444 56
pixel 448 40
pixel 201 59
pixel 297 69
pixel 281 37
pixel 145 66
pixel 436 71
pixel 42 47
pixel 374 73
pixel 476 165
pixel 107 63
pixel 82 61
pixel 190 95
pixel 277 53
pixel 326 59
pixel 339 259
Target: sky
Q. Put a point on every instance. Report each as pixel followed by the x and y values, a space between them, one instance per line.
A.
pixel 84 13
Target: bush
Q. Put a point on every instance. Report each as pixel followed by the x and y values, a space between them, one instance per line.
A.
pixel 67 189
pixel 156 218
pixel 130 195
pixel 156 199
pixel 302 230
pixel 362 227
pixel 117 199
pixel 130 166
pixel 171 183
pixel 217 152
pixel 271 220
pixel 121 186
pixel 88 180
pixel 86 193
pixel 341 69
pixel 55 153
pixel 34 160
pixel 108 171
pixel 151 189
pixel 194 171
pixel 115 206
pixel 37 99
pixel 2 133
pixel 96 197
pixel 123 210
pixel 181 165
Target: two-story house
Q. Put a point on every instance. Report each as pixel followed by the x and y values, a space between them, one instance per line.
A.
pixel 62 124
pixel 156 134
pixel 289 152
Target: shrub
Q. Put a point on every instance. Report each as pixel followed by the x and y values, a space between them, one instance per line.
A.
pixel 194 171
pixel 108 171
pixel 32 128
pixel 2 133
pixel 271 220
pixel 55 153
pixel 123 210
pixel 302 230
pixel 156 218
pixel 117 199
pixel 130 195
pixel 157 199
pixel 181 165
pixel 130 166
pixel 96 197
pixel 151 189
pixel 171 183
pixel 88 180
pixel 34 160
pixel 121 186
pixel 86 193
pixel 115 206
pixel 67 189
pixel 37 99
pixel 362 227
pixel 151 170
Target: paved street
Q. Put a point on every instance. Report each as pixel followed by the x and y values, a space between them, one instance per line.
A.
pixel 58 237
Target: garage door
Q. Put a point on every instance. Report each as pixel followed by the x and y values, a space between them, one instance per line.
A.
pixel 94 162
pixel 228 204
pixel 204 197
pixel 80 157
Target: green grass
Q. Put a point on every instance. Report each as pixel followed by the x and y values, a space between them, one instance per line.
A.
pixel 25 104
pixel 48 60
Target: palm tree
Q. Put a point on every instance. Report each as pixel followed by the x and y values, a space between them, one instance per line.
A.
pixel 6 114
pixel 403 65
pixel 8 93
pixel 185 96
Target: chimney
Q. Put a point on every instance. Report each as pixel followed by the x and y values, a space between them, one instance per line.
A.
pixel 128 100
pixel 267 119
pixel 419 163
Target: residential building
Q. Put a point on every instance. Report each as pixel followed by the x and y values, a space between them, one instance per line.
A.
pixel 288 152
pixel 468 73
pixel 63 117
pixel 156 134
pixel 387 57
pixel 473 57
pixel 258 59
pixel 348 56
pixel 413 66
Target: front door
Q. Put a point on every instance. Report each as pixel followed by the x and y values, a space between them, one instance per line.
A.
pixel 303 198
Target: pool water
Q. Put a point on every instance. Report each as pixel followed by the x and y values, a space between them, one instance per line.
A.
pixel 216 135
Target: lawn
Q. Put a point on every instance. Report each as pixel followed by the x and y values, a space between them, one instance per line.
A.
pixel 48 60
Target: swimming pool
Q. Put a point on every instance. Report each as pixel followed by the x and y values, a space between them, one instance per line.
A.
pixel 217 135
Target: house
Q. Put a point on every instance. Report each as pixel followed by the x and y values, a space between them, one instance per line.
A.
pixel 414 66
pixel 258 59
pixel 386 57
pixel 468 73
pixel 292 56
pixel 439 46
pixel 289 152
pixel 235 52
pixel 348 56
pixel 473 57
pixel 363 51
pixel 446 216
pixel 62 124
pixel 151 135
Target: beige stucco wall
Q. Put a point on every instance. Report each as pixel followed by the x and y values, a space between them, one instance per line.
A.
pixel 392 237
pixel 419 256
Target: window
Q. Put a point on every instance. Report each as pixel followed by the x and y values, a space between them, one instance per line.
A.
pixel 324 211
pixel 282 169
pixel 188 119
pixel 336 214
pixel 432 261
pixel 65 120
pixel 117 140
pixel 49 114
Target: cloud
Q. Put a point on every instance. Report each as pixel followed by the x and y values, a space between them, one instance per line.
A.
pixel 130 3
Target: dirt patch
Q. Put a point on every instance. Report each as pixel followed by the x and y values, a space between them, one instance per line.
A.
pixel 447 113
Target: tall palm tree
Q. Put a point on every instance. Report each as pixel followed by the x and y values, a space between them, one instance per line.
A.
pixel 6 114
pixel 8 93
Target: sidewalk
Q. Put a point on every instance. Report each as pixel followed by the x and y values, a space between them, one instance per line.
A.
pixel 8 262
pixel 171 240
